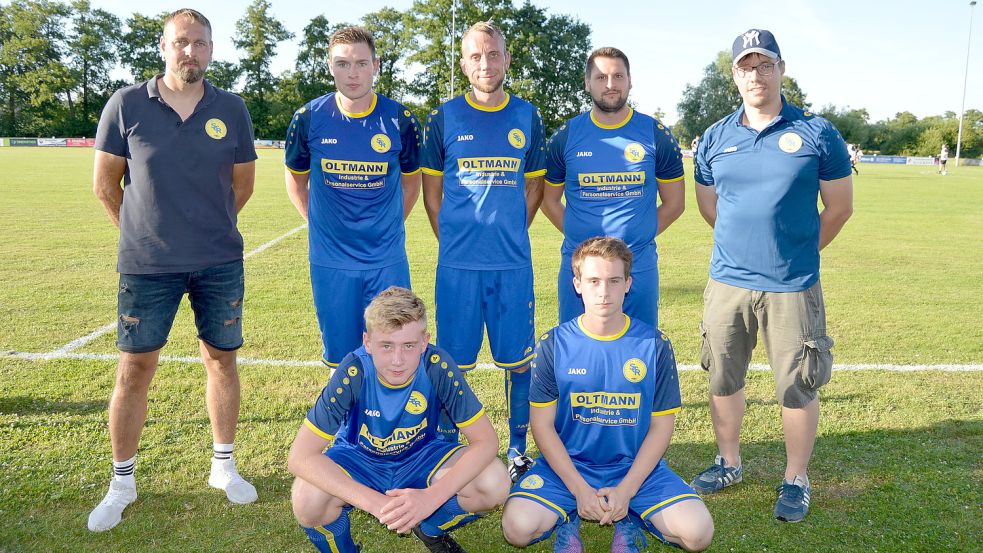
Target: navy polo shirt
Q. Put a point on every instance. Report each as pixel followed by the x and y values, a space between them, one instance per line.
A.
pixel 178 213
pixel 766 236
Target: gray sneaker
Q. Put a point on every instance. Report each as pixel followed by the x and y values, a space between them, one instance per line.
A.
pixel 793 500
pixel 717 477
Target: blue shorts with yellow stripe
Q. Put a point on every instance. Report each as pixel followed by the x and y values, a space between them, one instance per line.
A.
pixel 661 489
pixel 415 471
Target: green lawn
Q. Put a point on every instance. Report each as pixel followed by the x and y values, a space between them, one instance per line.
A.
pixel 897 464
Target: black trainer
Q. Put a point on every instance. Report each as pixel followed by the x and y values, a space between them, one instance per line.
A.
pixel 438 544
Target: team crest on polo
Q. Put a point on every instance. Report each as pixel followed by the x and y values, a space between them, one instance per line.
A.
pixel 381 143
pixel 634 152
pixel 352 371
pixel 416 404
pixel 635 370
pixel 532 482
pixel 517 138
pixel 790 142
pixel 215 128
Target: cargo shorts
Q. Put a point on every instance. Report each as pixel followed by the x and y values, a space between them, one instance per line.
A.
pixel 793 328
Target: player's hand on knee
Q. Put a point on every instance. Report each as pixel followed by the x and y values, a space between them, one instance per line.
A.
pixel 615 504
pixel 589 505
pixel 407 508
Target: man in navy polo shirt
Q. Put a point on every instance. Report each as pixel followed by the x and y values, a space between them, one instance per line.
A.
pixel 760 171
pixel 184 152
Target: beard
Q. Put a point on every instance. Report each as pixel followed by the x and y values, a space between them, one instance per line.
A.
pixel 612 105
pixel 189 73
pixel 490 87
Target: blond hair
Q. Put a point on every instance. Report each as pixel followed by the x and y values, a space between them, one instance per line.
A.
pixel 194 15
pixel 393 308
pixel 486 27
pixel 352 35
pixel 605 247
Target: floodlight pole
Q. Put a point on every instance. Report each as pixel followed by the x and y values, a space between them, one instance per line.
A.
pixel 962 108
pixel 453 30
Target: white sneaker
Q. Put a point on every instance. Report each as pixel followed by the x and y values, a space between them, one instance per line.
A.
pixel 109 511
pixel 225 477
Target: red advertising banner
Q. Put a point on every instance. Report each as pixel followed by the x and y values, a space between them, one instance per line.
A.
pixel 81 142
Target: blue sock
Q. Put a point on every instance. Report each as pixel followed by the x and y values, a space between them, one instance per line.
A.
pixel 446 429
pixel 517 393
pixel 334 537
pixel 546 534
pixel 448 517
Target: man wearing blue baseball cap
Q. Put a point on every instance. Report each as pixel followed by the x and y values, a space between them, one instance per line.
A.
pixel 760 171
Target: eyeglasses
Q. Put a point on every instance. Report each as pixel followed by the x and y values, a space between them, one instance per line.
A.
pixel 763 69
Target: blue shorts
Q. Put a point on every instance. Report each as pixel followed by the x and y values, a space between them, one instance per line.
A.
pixel 642 301
pixel 661 489
pixel 340 299
pixel 415 471
pixel 502 301
pixel 147 305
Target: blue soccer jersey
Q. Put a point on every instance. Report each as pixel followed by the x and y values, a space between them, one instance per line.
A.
pixel 611 176
pixel 484 155
pixel 359 409
pixel 766 236
pixel 355 161
pixel 606 388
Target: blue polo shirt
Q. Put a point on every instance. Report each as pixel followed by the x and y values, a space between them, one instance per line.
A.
pixel 178 213
pixel 766 236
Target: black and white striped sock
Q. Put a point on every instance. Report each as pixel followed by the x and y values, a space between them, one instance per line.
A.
pixel 124 468
pixel 222 452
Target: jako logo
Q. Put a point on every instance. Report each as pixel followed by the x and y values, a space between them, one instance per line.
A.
pixel 465 137
pixel 577 371
pixel 372 413
pixel 585 154
pixel 329 141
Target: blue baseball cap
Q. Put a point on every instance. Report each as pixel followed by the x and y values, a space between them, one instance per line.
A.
pixel 754 41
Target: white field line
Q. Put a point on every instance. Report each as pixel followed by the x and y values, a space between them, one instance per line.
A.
pixel 79 342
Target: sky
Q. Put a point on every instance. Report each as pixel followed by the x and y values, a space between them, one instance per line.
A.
pixel 885 56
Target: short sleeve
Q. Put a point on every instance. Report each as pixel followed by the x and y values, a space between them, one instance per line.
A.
pixel 834 160
pixel 542 388
pixel 410 135
pixel 432 156
pixel 668 158
pixel 111 132
pixel 666 400
pixel 297 152
pixel 536 153
pixel 456 397
pixel 556 162
pixel 246 145
pixel 337 399
pixel 702 173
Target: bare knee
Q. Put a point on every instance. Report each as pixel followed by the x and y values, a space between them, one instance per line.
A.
pixel 311 506
pixel 523 522
pixel 135 371
pixel 696 532
pixel 493 485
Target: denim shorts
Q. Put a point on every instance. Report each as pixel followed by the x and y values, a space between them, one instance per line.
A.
pixel 148 303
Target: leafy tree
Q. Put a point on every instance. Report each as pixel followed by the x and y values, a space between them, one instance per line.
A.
pixel 257 34
pixel 140 48
pixel 853 124
pixel 794 94
pixel 714 98
pixel 313 78
pixel 224 74
pixel 92 46
pixel 392 40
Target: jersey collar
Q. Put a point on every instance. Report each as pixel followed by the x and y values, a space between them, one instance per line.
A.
pixel 613 337
pixel 375 99
pixel 631 112
pixel 500 107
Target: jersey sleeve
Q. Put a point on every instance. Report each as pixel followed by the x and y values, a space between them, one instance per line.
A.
pixel 834 160
pixel 542 389
pixel 702 173
pixel 536 154
pixel 666 400
pixel 297 155
pixel 409 135
pixel 432 156
pixel 556 162
pixel 111 134
pixel 668 158
pixel 246 141
pixel 456 397
pixel 337 398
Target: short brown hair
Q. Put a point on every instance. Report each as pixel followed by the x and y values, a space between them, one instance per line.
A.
pixel 352 35
pixel 605 247
pixel 605 52
pixel 193 15
pixel 393 308
pixel 486 27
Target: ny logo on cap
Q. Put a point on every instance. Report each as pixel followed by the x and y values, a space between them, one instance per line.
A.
pixel 750 39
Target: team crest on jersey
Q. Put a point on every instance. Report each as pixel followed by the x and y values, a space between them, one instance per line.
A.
pixel 517 138
pixel 790 142
pixel 532 482
pixel 434 358
pixel 635 370
pixel 381 143
pixel 416 404
pixel 215 128
pixel 634 152
pixel 352 371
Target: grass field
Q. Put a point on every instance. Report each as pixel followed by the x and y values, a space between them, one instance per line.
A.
pixel 897 464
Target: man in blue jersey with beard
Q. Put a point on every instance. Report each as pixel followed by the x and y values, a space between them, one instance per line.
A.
pixel 482 183
pixel 610 163
pixel 362 150
pixel 605 394
pixel 377 417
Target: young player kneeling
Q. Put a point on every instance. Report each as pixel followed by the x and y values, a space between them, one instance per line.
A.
pixel 379 416
pixel 604 396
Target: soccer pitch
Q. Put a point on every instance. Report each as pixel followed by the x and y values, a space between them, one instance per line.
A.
pixel 896 456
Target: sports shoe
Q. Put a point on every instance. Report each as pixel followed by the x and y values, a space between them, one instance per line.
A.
pixel 109 511
pixel 519 464
pixel 568 537
pixel 628 537
pixel 717 477
pixel 793 500
pixel 225 477
pixel 438 544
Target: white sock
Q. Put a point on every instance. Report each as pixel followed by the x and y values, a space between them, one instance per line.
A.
pixel 123 469
pixel 222 452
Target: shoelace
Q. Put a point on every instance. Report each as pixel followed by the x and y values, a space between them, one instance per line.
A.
pixel 790 493
pixel 717 470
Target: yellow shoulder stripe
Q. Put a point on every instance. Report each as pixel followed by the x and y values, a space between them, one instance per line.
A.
pixel 667 412
pixel 318 431
pixel 551 183
pixel 472 420
pixel 669 181
pixel 297 172
pixel 538 404
pixel 538 173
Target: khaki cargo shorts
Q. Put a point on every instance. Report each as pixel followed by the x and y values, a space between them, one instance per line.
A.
pixel 793 327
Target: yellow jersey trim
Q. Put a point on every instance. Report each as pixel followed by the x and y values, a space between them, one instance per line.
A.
pixel 670 181
pixel 329 363
pixel 375 98
pixel 318 431
pixel 616 125
pixel 551 183
pixel 467 367
pixel 411 172
pixel 541 404
pixel 390 386
pixel 441 463
pixel 431 172
pixel 500 107
pixel 580 323
pixel 297 172
pixel 519 363
pixel 538 173
pixel 472 420
pixel 672 411
pixel 653 508
pixel 543 501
